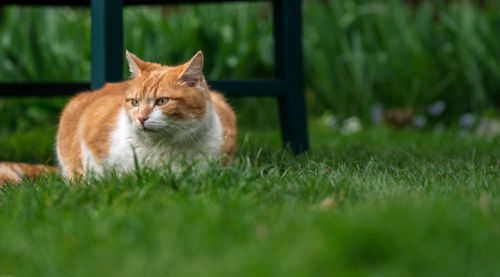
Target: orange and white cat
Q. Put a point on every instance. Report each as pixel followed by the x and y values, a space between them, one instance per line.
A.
pixel 163 113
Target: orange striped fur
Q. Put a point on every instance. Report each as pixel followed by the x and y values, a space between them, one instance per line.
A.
pixel 14 172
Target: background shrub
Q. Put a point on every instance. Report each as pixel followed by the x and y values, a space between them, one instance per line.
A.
pixel 357 53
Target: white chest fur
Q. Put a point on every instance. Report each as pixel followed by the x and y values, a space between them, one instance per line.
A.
pixel 199 141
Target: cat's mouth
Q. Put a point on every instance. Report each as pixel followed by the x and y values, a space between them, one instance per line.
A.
pixel 147 130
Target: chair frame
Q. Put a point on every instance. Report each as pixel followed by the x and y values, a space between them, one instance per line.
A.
pixel 107 61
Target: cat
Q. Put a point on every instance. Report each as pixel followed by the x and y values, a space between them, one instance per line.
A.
pixel 161 115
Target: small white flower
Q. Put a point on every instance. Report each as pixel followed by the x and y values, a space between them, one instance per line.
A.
pixel 351 125
pixel 328 119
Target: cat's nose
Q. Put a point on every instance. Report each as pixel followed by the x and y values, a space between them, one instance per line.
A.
pixel 142 119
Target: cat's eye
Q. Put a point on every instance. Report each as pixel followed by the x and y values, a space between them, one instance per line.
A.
pixel 134 102
pixel 161 101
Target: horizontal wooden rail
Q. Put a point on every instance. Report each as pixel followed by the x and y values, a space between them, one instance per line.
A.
pixel 228 87
pixel 42 89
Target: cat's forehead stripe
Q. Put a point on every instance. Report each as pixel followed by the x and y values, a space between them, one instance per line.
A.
pixel 154 83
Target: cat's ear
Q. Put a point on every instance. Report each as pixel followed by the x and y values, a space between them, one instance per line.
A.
pixel 193 70
pixel 134 64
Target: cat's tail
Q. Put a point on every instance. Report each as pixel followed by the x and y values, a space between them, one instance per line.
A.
pixel 14 172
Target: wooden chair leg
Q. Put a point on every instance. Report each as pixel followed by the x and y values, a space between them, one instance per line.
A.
pixel 288 55
pixel 107 41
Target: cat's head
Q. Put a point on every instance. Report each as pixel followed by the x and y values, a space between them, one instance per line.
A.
pixel 166 99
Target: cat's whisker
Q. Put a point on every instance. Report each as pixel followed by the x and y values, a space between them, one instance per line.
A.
pixel 185 131
pixel 178 136
pixel 178 130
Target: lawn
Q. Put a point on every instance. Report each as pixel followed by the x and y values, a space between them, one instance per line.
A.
pixel 379 202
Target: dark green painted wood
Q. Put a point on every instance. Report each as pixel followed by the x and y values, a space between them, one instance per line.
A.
pixel 288 55
pixel 42 89
pixel 106 41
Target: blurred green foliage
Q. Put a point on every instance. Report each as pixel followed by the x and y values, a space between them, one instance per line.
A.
pixel 361 52
pixel 357 53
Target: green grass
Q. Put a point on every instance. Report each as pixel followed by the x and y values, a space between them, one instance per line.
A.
pixel 397 203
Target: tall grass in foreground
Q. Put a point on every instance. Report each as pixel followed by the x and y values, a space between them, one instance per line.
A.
pixel 376 203
pixel 357 53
